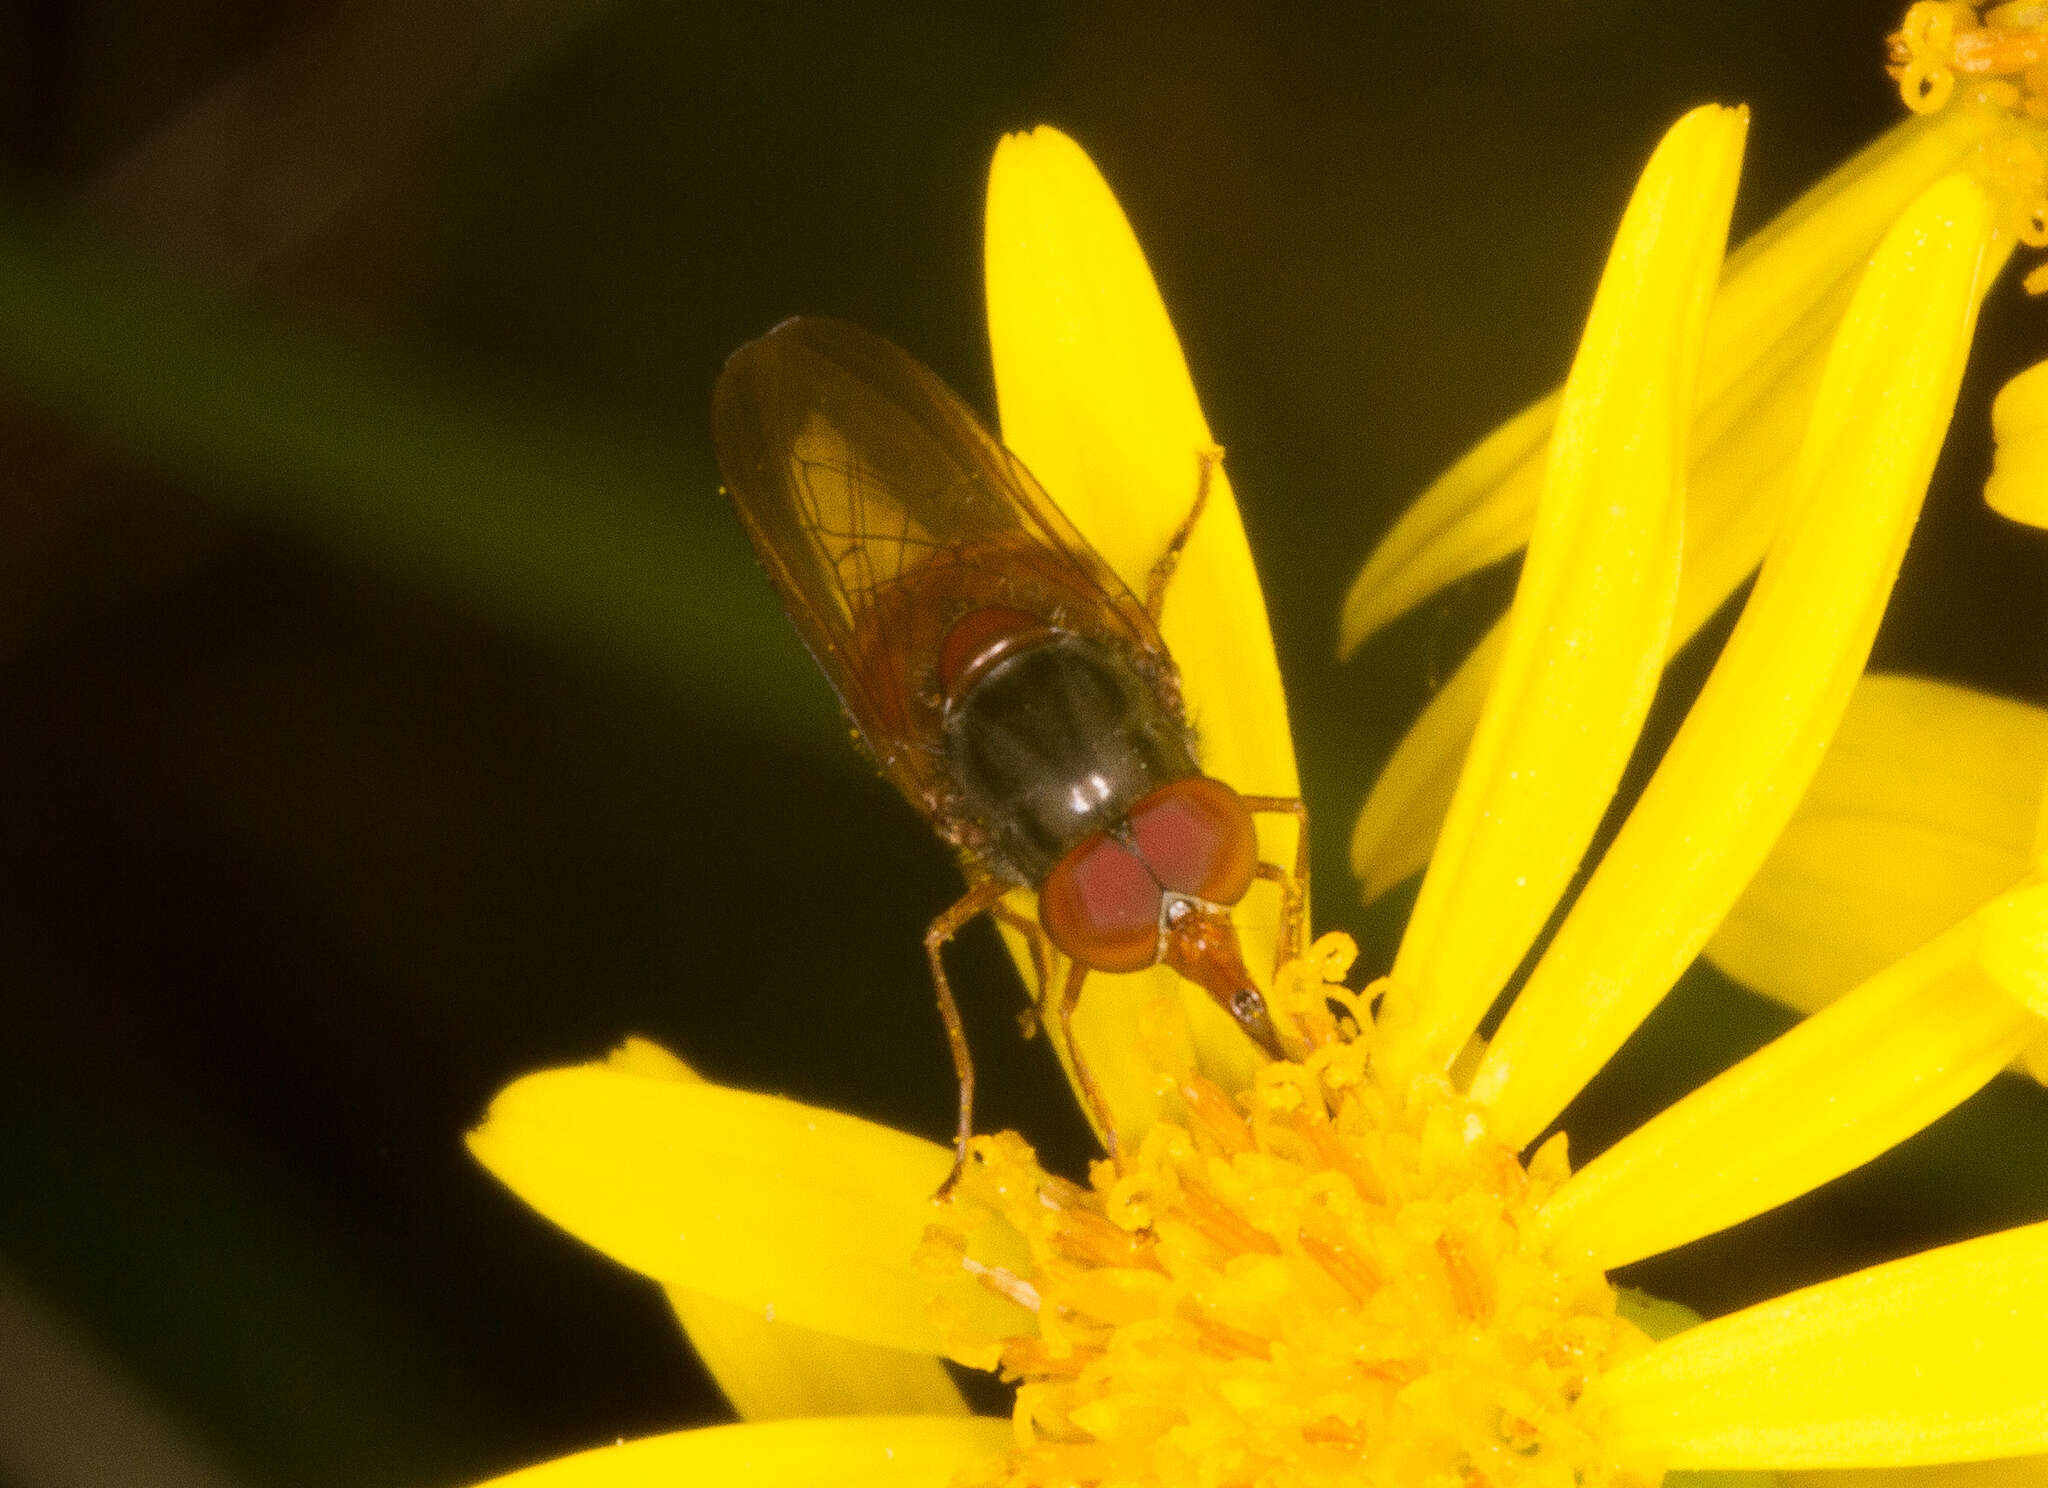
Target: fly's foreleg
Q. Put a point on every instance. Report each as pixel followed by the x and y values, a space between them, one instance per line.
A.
pixel 1293 885
pixel 1041 963
pixel 1091 1093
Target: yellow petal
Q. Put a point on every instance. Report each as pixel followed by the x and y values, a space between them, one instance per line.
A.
pixel 2000 1472
pixel 2014 952
pixel 1751 743
pixel 1734 494
pixel 773 1371
pixel 1941 1357
pixel 2018 487
pixel 1851 1081
pixel 1826 235
pixel 1480 510
pixel 636 1055
pixel 763 1202
pixel 1922 811
pixel 1095 397
pixel 1586 635
pixel 1475 513
pixel 859 1452
pixel 1398 826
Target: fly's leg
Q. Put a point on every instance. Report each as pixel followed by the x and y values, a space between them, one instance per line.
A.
pixel 1294 885
pixel 1206 462
pixel 1041 963
pixel 1287 944
pixel 979 899
pixel 1091 1093
pixel 1070 998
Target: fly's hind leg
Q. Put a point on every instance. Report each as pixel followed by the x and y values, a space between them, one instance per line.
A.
pixel 1162 572
pixel 979 899
pixel 1293 885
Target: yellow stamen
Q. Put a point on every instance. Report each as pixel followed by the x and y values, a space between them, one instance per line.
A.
pixel 1945 55
pixel 1273 1320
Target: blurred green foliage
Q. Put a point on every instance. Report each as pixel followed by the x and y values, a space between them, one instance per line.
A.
pixel 569 533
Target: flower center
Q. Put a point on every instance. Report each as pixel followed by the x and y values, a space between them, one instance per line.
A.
pixel 1325 1281
pixel 1944 53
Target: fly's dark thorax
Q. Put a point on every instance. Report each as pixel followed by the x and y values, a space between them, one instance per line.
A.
pixel 1055 741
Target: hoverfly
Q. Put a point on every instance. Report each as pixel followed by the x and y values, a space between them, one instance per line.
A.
pixel 1006 680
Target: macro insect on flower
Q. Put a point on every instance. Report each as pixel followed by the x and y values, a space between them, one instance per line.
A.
pixel 1004 677
pixel 1339 1267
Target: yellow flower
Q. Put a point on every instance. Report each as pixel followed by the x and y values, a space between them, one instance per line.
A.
pixel 1337 1268
pixel 1093 394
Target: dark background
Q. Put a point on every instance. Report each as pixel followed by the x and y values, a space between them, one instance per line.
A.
pixel 389 706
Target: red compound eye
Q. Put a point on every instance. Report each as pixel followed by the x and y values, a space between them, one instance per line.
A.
pixel 1197 837
pixel 1101 907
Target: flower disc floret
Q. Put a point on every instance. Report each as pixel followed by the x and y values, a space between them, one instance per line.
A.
pixel 1945 54
pixel 1324 1281
pixel 1336 1268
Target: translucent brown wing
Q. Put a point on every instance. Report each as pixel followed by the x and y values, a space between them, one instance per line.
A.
pixel 884 511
